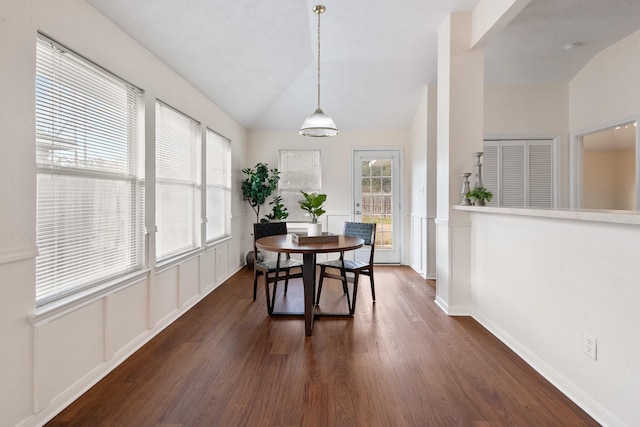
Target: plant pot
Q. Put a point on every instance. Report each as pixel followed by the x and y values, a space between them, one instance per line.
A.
pixel 314 229
pixel 251 259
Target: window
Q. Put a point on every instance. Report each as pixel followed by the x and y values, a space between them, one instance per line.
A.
pixel 519 173
pixel 177 182
pixel 218 186
pixel 90 174
pixel 299 170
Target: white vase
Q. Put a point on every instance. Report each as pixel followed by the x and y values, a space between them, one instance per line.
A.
pixel 315 229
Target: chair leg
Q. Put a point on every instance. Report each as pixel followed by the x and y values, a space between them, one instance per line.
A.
pixel 373 287
pixel 255 285
pixel 345 287
pixel 271 296
pixel 343 273
pixel 286 281
pixel 269 301
pixel 354 296
pixel 322 269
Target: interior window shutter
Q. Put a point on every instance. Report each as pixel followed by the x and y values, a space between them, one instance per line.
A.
pixel 177 182
pixel 90 180
pixel 490 172
pixel 512 175
pixel 540 174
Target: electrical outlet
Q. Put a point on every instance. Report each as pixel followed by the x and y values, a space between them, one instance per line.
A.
pixel 591 346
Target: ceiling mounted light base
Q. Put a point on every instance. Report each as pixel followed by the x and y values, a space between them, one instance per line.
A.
pixel 318 123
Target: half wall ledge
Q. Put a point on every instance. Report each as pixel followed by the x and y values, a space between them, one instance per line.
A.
pixel 608 216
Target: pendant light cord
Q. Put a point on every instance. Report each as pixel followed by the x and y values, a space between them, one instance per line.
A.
pixel 318 13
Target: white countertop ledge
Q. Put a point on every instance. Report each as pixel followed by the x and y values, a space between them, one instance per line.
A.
pixel 610 216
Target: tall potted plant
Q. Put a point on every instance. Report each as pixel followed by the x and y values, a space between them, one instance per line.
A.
pixel 256 188
pixel 313 204
pixel 258 185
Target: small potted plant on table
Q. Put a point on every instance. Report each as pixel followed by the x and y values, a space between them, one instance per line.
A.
pixel 313 204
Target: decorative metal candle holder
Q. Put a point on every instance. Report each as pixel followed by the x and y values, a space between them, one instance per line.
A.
pixel 478 175
pixel 465 189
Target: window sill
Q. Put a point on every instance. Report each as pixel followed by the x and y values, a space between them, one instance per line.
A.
pixel 215 243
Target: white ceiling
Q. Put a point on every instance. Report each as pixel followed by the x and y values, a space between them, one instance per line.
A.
pixel 256 60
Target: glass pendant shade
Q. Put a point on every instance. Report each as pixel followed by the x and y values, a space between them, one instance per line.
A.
pixel 318 124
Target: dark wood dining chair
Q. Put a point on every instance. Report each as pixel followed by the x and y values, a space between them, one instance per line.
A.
pixel 273 271
pixel 347 270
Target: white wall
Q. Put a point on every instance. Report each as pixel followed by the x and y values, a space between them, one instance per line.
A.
pixel 609 179
pixel 51 355
pixel 336 155
pixel 513 111
pixel 607 89
pixel 421 161
pixel 539 284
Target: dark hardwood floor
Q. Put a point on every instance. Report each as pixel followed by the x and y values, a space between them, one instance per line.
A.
pixel 398 362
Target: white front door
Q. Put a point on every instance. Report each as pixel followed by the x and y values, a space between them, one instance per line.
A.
pixel 377 199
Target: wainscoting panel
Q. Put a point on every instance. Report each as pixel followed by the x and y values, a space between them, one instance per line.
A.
pixel 165 293
pixel 207 269
pixel 418 239
pixel 188 280
pixel 76 347
pixel 67 349
pixel 126 316
pixel 222 262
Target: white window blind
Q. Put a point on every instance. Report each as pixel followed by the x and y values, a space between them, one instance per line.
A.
pixel 299 170
pixel 519 173
pixel 177 182
pixel 90 175
pixel 218 186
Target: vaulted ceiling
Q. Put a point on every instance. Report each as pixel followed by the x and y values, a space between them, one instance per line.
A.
pixel 257 60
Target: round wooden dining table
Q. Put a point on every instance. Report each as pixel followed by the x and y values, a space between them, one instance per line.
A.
pixel 285 243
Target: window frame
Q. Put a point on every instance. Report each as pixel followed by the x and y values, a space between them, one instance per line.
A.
pixel 296 214
pixel 226 185
pixel 189 186
pixel 67 90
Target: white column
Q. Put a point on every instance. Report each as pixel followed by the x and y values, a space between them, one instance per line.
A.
pixel 460 129
pixel 460 132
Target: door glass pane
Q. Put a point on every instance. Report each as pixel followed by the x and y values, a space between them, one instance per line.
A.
pixel 377 198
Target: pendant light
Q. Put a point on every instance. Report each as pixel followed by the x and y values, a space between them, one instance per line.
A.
pixel 318 123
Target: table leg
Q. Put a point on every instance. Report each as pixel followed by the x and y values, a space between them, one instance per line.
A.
pixel 309 282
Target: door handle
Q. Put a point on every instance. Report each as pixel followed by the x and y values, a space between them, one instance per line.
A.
pixel 358 212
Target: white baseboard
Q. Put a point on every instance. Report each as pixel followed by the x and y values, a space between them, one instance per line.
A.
pixel 569 389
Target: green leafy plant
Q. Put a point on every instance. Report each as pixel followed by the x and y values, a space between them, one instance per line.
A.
pixel 480 195
pixel 279 211
pixel 312 203
pixel 258 186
